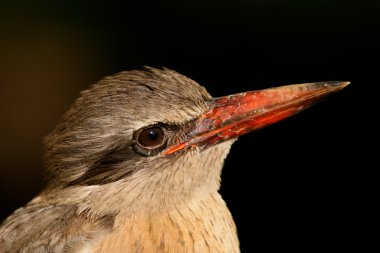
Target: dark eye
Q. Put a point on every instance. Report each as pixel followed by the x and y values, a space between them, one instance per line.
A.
pixel 151 138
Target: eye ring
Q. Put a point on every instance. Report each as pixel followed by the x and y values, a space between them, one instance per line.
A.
pixel 150 140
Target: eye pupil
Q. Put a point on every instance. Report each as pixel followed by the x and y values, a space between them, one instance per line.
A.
pixel 151 138
pixel 153 134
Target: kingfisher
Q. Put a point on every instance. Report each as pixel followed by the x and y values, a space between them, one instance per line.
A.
pixel 134 166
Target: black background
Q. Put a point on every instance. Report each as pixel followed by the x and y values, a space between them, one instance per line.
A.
pixel 307 179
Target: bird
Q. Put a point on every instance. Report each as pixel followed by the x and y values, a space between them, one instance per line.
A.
pixel 135 165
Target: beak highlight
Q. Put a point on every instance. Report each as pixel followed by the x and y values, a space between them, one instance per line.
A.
pixel 238 114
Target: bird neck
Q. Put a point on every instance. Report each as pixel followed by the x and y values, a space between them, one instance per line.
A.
pixel 203 225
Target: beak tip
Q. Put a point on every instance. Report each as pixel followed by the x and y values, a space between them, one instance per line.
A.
pixel 337 84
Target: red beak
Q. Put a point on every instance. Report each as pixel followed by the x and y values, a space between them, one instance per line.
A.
pixel 235 115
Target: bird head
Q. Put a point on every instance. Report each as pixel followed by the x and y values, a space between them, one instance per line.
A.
pixel 155 138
